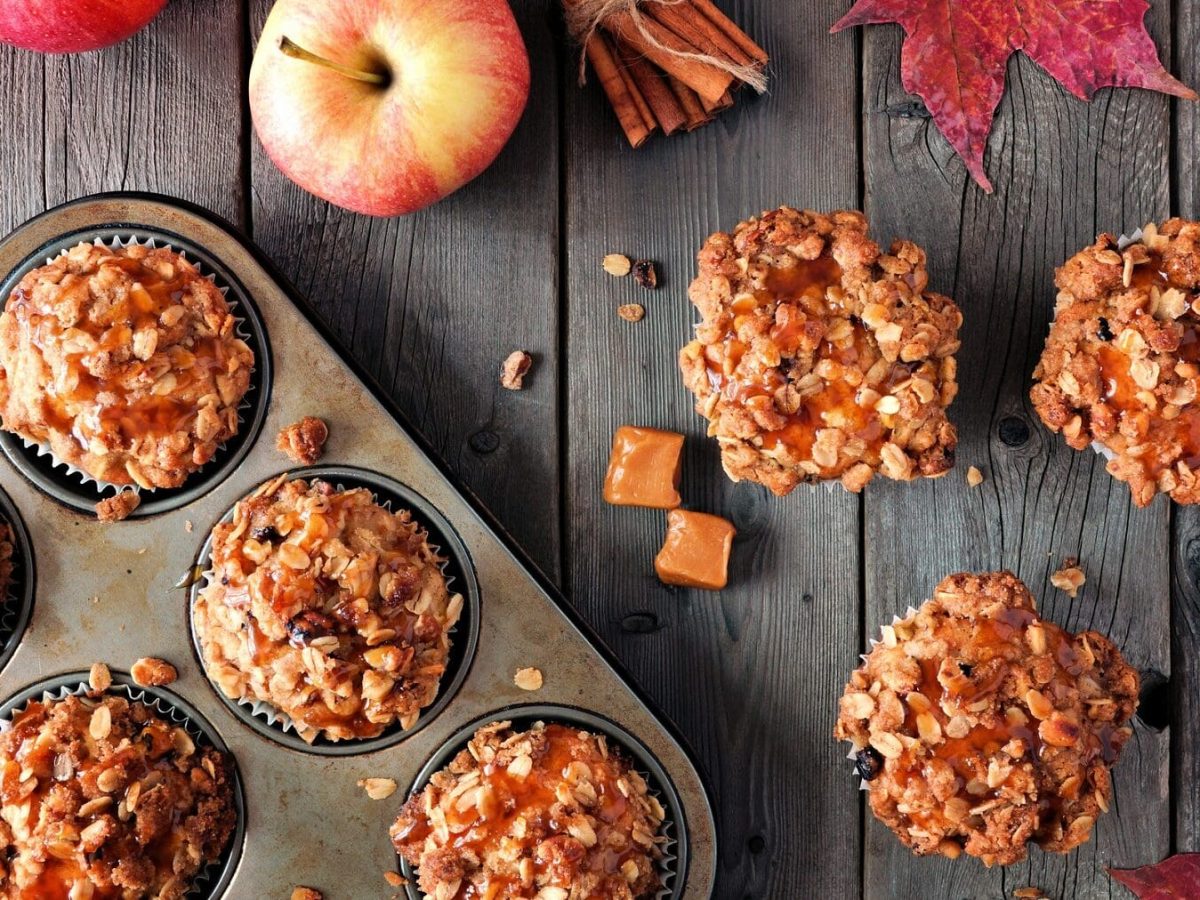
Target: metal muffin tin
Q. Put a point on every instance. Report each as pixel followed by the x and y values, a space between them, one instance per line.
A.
pixel 112 593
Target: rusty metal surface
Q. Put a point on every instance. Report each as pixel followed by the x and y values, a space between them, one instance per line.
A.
pixel 107 592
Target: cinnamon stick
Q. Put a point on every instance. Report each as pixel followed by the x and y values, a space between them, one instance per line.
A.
pixel 639 98
pixel 600 55
pixel 667 111
pixel 730 28
pixel 689 100
pixel 721 103
pixel 707 81
pixel 697 29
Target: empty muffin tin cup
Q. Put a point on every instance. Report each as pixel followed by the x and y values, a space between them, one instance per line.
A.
pixel 275 725
pixel 672 867
pixel 214 879
pixel 77 489
pixel 16 601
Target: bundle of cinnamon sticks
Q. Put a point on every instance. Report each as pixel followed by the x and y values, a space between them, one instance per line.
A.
pixel 665 64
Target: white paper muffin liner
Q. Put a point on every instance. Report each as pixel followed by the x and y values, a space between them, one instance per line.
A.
pixel 202 883
pixel 43 450
pixel 280 720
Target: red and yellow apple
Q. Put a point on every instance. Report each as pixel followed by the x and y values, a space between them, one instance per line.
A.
pixel 73 26
pixel 385 106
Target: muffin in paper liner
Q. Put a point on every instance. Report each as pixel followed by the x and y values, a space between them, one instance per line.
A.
pixel 462 636
pixel 1120 361
pixel 94 489
pixel 213 877
pixel 978 727
pixel 671 865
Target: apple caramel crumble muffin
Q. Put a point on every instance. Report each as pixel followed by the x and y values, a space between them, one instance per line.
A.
pixel 1121 366
pixel 978 726
pixel 552 813
pixel 820 358
pixel 102 797
pixel 328 607
pixel 125 362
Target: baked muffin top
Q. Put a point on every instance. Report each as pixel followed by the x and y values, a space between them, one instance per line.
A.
pixel 104 793
pixel 978 726
pixel 124 361
pixel 1121 366
pixel 328 607
pixel 552 812
pixel 819 357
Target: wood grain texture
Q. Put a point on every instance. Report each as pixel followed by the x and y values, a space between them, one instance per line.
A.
pixel 1185 610
pixel 160 112
pixel 1064 171
pixel 432 303
pixel 751 674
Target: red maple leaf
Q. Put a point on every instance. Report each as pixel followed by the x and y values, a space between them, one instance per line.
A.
pixel 956 53
pixel 1175 878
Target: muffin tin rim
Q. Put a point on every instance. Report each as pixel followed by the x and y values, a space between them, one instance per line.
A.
pixel 427 515
pixel 524 715
pixel 26 573
pixel 215 472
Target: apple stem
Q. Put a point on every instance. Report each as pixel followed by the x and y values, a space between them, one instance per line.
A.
pixel 294 50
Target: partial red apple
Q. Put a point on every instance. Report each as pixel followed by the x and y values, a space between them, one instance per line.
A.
pixel 385 106
pixel 73 26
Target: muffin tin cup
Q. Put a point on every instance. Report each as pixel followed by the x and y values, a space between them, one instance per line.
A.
pixel 212 880
pixel 16 602
pixel 114 593
pixel 456 568
pixel 672 868
pixel 80 490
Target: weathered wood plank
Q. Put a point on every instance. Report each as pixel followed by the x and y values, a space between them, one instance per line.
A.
pixel 431 304
pixel 22 152
pixel 1064 171
pixel 751 675
pixel 1185 611
pixel 160 112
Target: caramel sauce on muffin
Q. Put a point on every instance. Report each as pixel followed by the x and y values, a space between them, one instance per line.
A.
pixel 125 362
pixel 818 357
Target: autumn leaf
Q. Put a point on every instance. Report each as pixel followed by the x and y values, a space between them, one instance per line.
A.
pixel 957 51
pixel 1175 878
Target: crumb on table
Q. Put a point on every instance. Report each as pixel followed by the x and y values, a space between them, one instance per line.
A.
pixel 118 507
pixel 303 441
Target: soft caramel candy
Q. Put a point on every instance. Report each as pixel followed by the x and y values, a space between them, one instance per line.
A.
pixel 696 551
pixel 644 468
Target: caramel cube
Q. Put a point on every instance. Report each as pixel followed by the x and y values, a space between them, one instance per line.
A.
pixel 644 468
pixel 696 551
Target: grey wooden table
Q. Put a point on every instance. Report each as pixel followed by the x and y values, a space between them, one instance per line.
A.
pixel 431 304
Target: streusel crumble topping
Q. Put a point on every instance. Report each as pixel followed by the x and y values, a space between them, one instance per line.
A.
pixel 1121 366
pixel 549 812
pixel 980 727
pixel 103 798
pixel 124 361
pixel 819 357
pixel 327 606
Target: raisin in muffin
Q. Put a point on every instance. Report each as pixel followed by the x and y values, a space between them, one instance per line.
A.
pixel 7 549
pixel 1121 366
pixel 103 797
pixel 328 607
pixel 125 362
pixel 820 358
pixel 979 727
pixel 552 812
